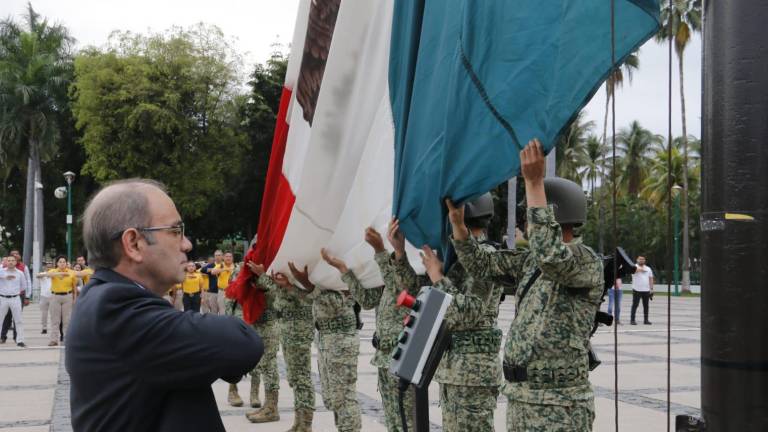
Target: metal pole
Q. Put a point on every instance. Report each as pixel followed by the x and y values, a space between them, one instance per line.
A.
pixel 677 244
pixel 734 216
pixel 69 221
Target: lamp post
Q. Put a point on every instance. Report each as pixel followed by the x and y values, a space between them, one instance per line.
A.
pixel 69 176
pixel 676 193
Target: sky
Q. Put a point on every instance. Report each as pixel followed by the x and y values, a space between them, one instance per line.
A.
pixel 257 24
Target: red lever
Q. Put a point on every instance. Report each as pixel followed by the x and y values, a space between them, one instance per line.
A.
pixel 406 300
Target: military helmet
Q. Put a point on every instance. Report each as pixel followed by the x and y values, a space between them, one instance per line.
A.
pixel 568 200
pixel 481 206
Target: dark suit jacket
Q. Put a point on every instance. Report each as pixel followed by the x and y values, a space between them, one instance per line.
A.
pixel 137 364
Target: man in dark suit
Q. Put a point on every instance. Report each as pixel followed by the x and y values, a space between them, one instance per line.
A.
pixel 136 363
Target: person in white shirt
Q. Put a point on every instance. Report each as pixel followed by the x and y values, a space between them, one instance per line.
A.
pixel 45 299
pixel 13 285
pixel 642 288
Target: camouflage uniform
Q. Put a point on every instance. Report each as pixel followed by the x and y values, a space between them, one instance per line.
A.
pixel 389 323
pixel 296 333
pixel 470 371
pixel 338 348
pixel 267 327
pixel 548 337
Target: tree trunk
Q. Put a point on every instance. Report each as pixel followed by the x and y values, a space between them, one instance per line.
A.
pixel 686 283
pixel 29 212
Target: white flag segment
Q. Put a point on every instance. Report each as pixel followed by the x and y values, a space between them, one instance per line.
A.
pixel 297 45
pixel 341 168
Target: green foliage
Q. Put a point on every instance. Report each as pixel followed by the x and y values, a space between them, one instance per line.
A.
pixel 162 106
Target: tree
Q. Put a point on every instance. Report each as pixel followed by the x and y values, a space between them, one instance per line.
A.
pixel 680 21
pixel 616 80
pixel 571 148
pixel 655 188
pixel 35 70
pixel 593 162
pixel 634 144
pixel 163 106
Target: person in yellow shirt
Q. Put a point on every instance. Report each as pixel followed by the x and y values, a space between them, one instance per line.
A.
pixel 64 292
pixel 207 298
pixel 86 272
pixel 223 273
pixel 192 287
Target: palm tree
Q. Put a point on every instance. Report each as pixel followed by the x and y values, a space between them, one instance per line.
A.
pixel 593 162
pixel 616 80
pixel 634 144
pixel 680 21
pixel 35 69
pixel 571 152
pixel 655 189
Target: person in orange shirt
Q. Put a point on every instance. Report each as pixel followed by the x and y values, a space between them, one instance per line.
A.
pixel 192 287
pixel 63 288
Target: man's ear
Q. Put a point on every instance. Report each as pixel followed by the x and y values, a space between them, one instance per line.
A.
pixel 131 243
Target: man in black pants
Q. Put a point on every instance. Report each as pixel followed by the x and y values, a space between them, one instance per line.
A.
pixel 642 288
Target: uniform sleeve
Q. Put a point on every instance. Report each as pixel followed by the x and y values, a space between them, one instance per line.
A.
pixel 486 264
pixel 571 266
pixel 368 298
pixel 463 307
pixel 267 283
pixel 405 277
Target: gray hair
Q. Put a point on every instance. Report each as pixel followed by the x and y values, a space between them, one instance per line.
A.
pixel 118 206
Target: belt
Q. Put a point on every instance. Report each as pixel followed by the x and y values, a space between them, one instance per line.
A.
pixel 296 314
pixel 64 293
pixel 10 296
pixel 476 341
pixel 191 295
pixel 543 378
pixel 337 325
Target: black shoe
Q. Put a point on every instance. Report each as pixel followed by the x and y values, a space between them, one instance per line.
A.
pixel 633 322
pixel 2 340
pixel 44 331
pixel 647 322
pixel 21 344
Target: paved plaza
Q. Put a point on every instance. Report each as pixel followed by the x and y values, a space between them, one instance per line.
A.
pixel 34 387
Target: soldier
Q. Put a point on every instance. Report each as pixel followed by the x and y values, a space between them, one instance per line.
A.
pixel 545 356
pixel 296 333
pixel 267 327
pixel 470 371
pixel 338 348
pixel 389 320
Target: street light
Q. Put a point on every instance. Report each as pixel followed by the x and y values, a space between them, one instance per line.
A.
pixel 69 176
pixel 676 193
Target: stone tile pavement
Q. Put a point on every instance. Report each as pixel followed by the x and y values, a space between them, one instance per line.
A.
pixel 34 386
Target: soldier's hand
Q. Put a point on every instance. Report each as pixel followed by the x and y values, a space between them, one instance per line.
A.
pixel 282 281
pixel 456 217
pixel 301 276
pixel 334 262
pixel 432 263
pixel 257 269
pixel 532 161
pixel 396 238
pixel 373 238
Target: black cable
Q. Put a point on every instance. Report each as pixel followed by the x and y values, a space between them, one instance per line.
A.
pixel 669 219
pixel 401 389
pixel 612 82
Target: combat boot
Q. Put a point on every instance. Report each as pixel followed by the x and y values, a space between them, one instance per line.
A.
pixel 255 402
pixel 268 413
pixel 304 422
pixel 233 398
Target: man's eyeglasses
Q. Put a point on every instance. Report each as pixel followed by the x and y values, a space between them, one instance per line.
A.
pixel 177 229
